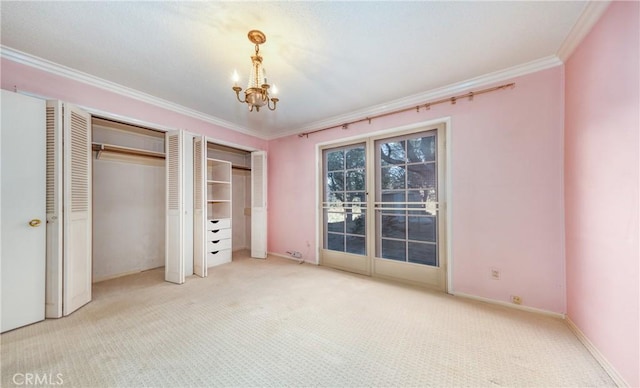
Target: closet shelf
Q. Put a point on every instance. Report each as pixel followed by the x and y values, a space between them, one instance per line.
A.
pixel 125 150
pixel 218 200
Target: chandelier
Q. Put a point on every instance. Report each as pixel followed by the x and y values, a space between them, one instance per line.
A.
pixel 257 93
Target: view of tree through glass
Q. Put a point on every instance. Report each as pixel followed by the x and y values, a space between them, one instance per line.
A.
pixel 406 188
pixel 407 180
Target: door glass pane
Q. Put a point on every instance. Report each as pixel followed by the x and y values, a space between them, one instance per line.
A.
pixel 393 249
pixel 335 242
pixel 335 160
pixel 422 228
pixel 335 222
pixel 355 158
pixel 392 178
pixel 392 153
pixel 393 226
pixel 406 218
pixel 355 223
pixel 357 199
pixel 421 176
pixel 345 199
pixel 422 149
pixel 335 181
pixel 422 253
pixel 355 180
pixel 356 244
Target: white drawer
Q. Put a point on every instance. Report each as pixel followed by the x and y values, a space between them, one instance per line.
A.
pixel 219 257
pixel 218 245
pixel 218 234
pixel 223 223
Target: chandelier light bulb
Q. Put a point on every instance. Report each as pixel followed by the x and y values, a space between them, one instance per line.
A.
pixel 274 89
pixel 235 77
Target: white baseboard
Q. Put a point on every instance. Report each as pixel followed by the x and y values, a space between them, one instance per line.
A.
pixel 115 276
pixel 285 257
pixel 611 371
pixel 510 305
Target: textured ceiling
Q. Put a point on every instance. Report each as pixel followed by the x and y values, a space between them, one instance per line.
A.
pixel 327 58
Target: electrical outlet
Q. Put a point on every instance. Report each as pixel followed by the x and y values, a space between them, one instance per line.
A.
pixel 495 274
pixel 516 299
pixel 295 254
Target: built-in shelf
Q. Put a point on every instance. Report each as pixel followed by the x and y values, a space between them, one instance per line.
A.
pixel 218 189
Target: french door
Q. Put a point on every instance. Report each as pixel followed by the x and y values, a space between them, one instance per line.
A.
pixel 382 202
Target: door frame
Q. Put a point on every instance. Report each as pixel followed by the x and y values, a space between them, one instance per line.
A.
pixel 445 206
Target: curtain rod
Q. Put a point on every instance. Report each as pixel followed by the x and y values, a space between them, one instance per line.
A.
pixel 427 106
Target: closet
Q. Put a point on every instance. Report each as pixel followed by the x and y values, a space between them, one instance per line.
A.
pixel 222 212
pixel 123 198
pixel 240 161
pixel 128 199
pixel 218 212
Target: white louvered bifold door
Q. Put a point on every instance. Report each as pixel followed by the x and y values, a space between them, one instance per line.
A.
pixel 53 292
pixel 199 205
pixel 77 209
pixel 259 205
pixel 174 255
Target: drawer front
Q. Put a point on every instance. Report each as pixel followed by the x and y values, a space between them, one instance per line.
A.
pixel 218 245
pixel 218 234
pixel 223 223
pixel 219 257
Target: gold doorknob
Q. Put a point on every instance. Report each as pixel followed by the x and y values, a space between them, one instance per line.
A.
pixel 35 222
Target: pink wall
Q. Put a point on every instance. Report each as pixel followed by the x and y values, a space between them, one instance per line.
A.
pixel 507 190
pixel 29 79
pixel 601 187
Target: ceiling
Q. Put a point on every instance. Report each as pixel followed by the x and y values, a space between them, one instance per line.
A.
pixel 328 59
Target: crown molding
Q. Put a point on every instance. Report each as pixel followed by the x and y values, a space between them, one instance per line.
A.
pixel 421 98
pixel 88 79
pixel 416 99
pixel 587 19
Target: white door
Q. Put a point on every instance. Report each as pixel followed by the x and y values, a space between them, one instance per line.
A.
pixel 22 158
pixel 69 205
pixel 199 201
pixel 188 197
pixel 77 223
pixel 53 294
pixel 259 204
pixel 174 259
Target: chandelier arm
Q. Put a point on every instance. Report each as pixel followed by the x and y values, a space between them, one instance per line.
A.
pixel 275 102
pixel 238 89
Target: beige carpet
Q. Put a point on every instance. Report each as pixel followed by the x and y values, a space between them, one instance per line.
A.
pixel 276 323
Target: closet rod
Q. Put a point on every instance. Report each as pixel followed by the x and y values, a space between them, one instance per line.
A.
pixel 125 150
pixel 241 168
pixel 425 106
